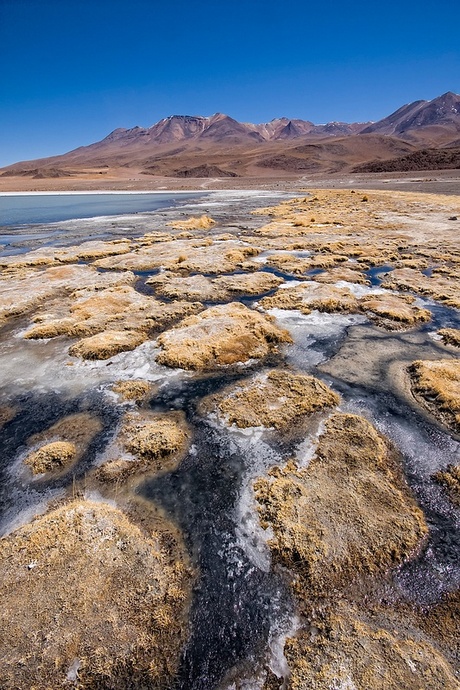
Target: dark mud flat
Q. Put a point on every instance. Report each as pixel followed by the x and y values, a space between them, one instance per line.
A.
pixel 237 607
pixel 36 413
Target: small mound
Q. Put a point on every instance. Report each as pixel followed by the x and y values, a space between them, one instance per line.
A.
pixel 352 650
pixel 274 399
pixel 153 439
pixel 203 222
pixel 450 480
pixel 346 514
pixel 87 596
pixel 155 442
pixel 190 288
pixel 349 275
pixel 88 312
pixel 107 344
pixel 394 311
pixel 51 457
pixel 309 296
pixel 134 390
pixel 221 335
pixel 79 428
pixel 248 284
pixel 436 384
pixel 450 336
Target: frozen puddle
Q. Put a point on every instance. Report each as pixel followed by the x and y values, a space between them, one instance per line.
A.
pixel 316 336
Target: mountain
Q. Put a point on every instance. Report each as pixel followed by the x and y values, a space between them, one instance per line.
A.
pixel 220 127
pixel 219 146
pixel 417 118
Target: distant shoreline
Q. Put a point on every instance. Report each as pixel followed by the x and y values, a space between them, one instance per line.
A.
pixel 102 191
pixel 434 181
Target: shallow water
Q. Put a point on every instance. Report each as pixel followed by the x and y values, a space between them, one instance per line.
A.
pixel 375 275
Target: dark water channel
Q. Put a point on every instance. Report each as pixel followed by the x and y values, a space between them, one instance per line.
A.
pixel 236 605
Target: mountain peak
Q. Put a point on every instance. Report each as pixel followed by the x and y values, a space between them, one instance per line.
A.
pixel 441 111
pixel 448 94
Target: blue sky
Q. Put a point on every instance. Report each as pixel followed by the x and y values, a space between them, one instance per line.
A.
pixel 73 70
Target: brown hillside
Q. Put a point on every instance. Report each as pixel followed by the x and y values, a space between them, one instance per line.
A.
pixel 427 159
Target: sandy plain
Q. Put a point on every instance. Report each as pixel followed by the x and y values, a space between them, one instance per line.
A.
pixel 212 307
pixel 121 179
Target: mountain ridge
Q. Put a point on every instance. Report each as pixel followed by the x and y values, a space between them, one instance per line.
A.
pixel 181 145
pixel 178 127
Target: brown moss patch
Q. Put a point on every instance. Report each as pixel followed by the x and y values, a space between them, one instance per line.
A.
pixel 134 390
pixel 333 275
pixel 198 287
pixel 440 621
pixel 289 263
pixel 444 288
pixel 27 290
pixel 107 344
pixel 199 223
pixel 436 384
pixel 155 442
pixel 87 312
pixel 346 514
pixel 84 588
pixel 273 399
pixel 385 309
pixel 63 443
pixel 189 288
pixel 450 336
pixel 225 334
pixel 450 480
pixel 351 650
pixel 79 429
pixel 206 256
pixel 392 311
pixel 51 457
pixel 248 284
pixel 310 296
pixel 152 439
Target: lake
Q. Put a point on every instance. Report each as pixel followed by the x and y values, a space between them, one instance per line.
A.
pixel 25 209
